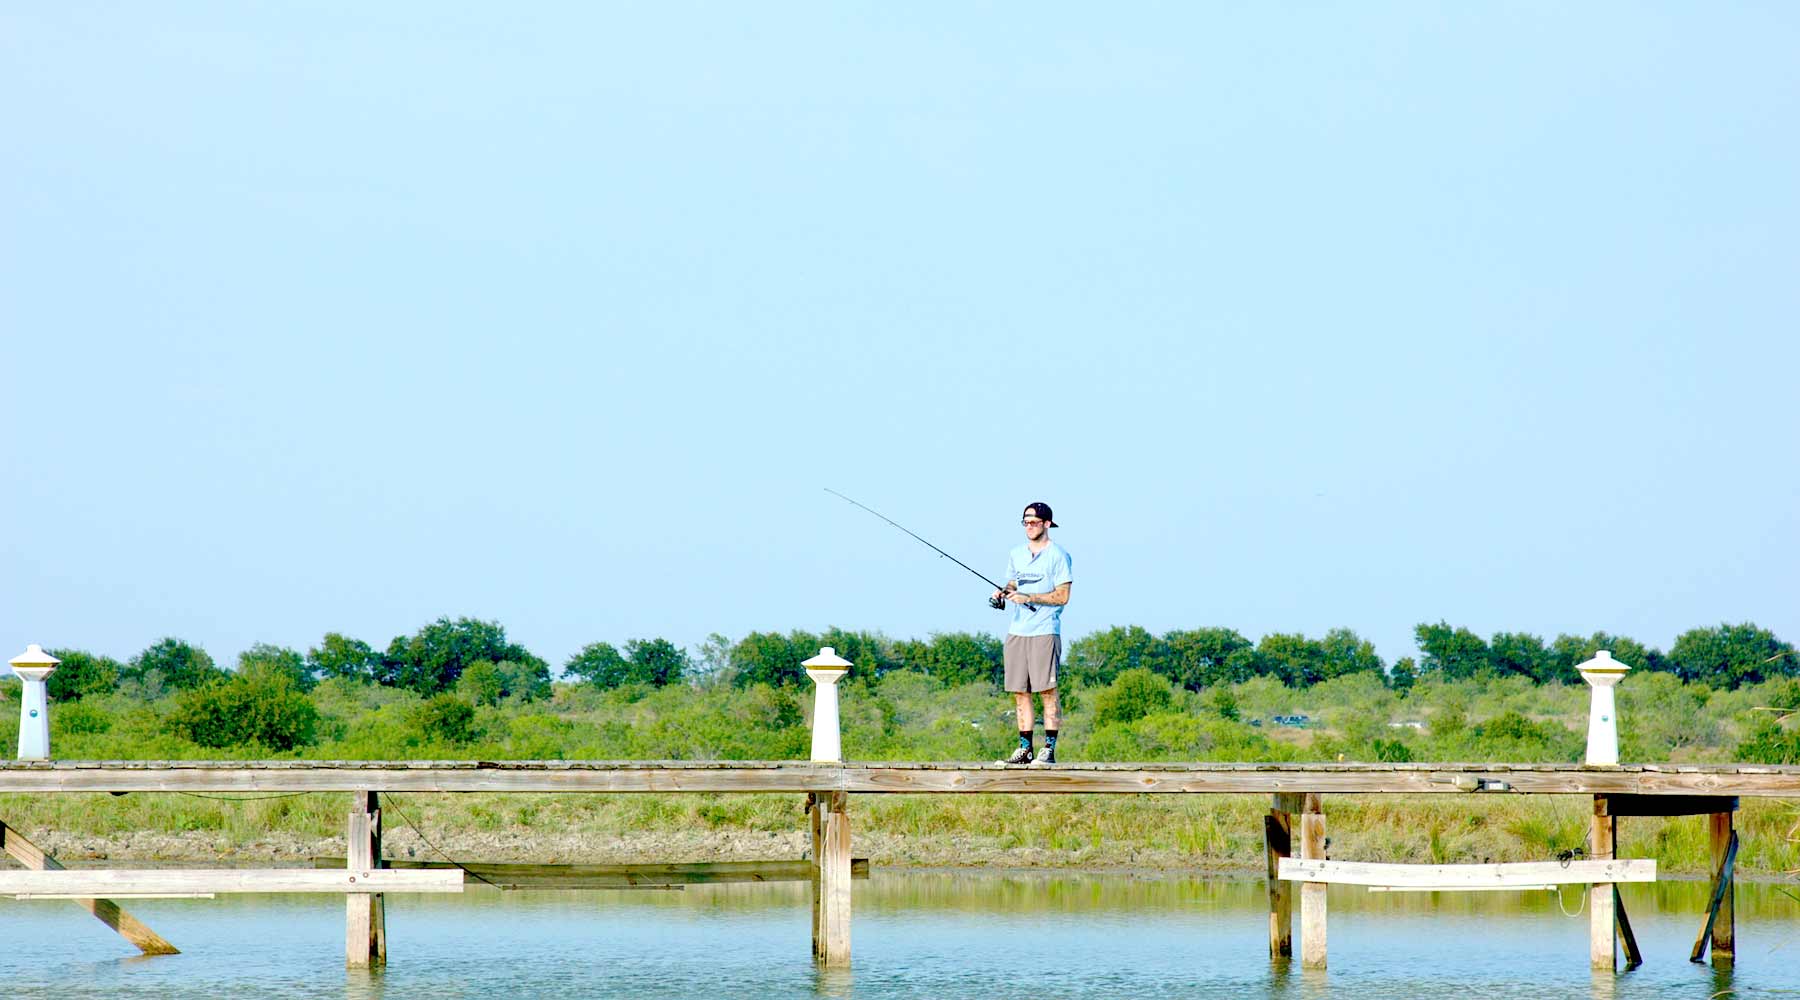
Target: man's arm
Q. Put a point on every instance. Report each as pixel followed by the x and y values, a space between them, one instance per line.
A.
pixel 1058 596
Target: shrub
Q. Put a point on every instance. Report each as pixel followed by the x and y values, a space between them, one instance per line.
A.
pixel 263 707
pixel 1134 694
pixel 79 717
pixel 1770 744
pixel 446 717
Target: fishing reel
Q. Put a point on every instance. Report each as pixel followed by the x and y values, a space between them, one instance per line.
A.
pixel 999 603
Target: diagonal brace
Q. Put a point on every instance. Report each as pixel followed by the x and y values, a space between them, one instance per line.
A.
pixel 105 910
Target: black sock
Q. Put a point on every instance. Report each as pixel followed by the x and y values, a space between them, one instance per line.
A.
pixel 1025 739
pixel 1050 738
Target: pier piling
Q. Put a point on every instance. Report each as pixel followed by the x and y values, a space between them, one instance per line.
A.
pixel 1602 923
pixel 1278 840
pixel 830 818
pixel 365 937
pixel 1312 894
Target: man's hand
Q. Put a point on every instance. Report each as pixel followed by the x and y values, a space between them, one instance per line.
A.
pixel 1018 598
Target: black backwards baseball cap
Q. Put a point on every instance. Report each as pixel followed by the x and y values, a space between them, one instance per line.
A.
pixel 1040 509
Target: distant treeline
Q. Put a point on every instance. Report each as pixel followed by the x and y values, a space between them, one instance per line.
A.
pixel 476 658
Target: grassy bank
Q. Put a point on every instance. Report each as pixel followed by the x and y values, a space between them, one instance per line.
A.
pixel 1147 832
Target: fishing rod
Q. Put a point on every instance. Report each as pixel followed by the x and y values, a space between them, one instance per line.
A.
pixel 997 603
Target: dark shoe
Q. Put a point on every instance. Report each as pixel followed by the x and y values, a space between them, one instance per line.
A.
pixel 1020 756
pixel 1045 757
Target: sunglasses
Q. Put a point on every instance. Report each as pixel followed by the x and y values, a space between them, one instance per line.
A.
pixel 1028 522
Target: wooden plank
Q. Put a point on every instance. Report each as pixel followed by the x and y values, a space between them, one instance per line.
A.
pixel 106 911
pixel 1723 877
pixel 511 875
pixel 106 881
pixel 1724 842
pixel 1458 888
pixel 1672 805
pixel 1278 845
pixel 1602 924
pixel 1633 957
pixel 833 887
pixel 799 777
pixel 1312 894
pixel 816 820
pixel 365 914
pixel 1474 876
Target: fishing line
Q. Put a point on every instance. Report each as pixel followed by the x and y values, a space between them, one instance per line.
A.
pixel 995 603
pixel 391 797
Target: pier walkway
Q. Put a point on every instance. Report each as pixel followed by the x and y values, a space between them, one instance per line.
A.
pixel 1294 828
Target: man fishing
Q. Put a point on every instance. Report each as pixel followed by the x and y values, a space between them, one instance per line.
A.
pixel 1038 575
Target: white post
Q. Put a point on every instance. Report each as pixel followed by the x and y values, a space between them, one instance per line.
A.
pixel 826 670
pixel 33 666
pixel 1603 673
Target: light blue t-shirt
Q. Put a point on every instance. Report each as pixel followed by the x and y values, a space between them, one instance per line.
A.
pixel 1038 574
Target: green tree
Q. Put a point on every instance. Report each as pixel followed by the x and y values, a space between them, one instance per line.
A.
pixel 599 664
pixel 277 659
pixel 1404 674
pixel 1291 658
pixel 1569 651
pixel 1521 654
pixel 956 657
pixel 1732 655
pixel 1450 653
pixel 1347 653
pixel 82 673
pixel 1205 657
pixel 1097 659
pixel 174 663
pixel 263 707
pixel 339 655
pixel 772 658
pixel 431 659
pixel 657 662
pixel 1135 693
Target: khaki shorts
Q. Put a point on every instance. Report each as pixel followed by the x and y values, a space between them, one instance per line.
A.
pixel 1031 662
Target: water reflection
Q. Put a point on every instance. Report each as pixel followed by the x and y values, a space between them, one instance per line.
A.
pixel 927 935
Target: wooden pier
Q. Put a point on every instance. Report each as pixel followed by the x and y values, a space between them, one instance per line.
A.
pixel 1297 811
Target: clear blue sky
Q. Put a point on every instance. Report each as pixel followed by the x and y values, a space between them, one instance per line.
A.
pixel 344 317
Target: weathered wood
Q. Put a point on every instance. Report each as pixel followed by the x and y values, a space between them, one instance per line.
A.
pixel 1724 854
pixel 1475 876
pixel 762 776
pixel 1633 957
pixel 511 875
pixel 1722 882
pixel 816 821
pixel 105 910
pixel 102 882
pixel 1672 805
pixel 832 890
pixel 1312 894
pixel 1278 843
pixel 365 915
pixel 1602 954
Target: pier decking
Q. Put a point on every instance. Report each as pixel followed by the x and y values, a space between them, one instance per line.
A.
pixel 911 778
pixel 1296 819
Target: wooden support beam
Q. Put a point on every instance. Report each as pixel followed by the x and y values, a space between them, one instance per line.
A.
pixel 830 818
pixel 1724 851
pixel 105 910
pixel 104 882
pixel 1602 953
pixel 1672 805
pixel 1278 843
pixel 668 875
pixel 1312 894
pixel 1719 902
pixel 1509 875
pixel 1633 957
pixel 365 914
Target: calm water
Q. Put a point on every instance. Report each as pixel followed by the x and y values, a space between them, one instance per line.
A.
pixel 931 935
